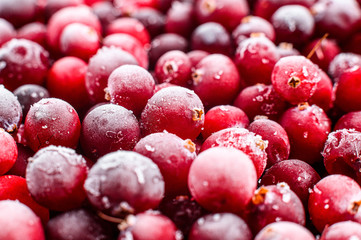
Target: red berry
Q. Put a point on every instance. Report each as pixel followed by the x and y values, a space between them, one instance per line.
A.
pixel 8 152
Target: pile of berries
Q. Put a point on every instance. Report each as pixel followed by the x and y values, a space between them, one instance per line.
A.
pixel 180 119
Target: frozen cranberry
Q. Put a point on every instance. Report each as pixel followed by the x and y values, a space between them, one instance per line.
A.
pixel 29 94
pixel 324 94
pixel 124 182
pixel 7 31
pixel 55 178
pixel 99 69
pixel 52 121
pixel 174 67
pixel 261 100
pixel 53 6
pixel 180 19
pixel 164 43
pixel 350 120
pixel 14 214
pixel 299 176
pixel 240 138
pixel 253 25
pixel 152 19
pixel 213 38
pixel 238 174
pixel 255 58
pixel 106 13
pixel 174 109
pixel 341 153
pixel 130 86
pixel 108 128
pixel 334 198
pixel 66 80
pixel 274 203
pixel 34 31
pixel 325 52
pixel 293 24
pixel 342 231
pixel 266 8
pixel 79 40
pixel 19 168
pixel 223 116
pixel 348 90
pixel 130 26
pixel 196 56
pixel 173 156
pixel 295 78
pixel 287 49
pixel 150 226
pixel 15 188
pixel 8 151
pixel 18 12
pixel 307 128
pixel 339 18
pixel 284 230
pixel 22 62
pixel 341 63
pixel 226 12
pixel 129 44
pixel 216 80
pixel 62 18
pixel 79 224
pixel 278 147
pixel 183 211
pixel 219 226
pixel 11 113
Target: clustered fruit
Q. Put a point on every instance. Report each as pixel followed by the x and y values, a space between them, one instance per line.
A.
pixel 180 119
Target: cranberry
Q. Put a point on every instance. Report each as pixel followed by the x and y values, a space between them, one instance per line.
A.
pixel 274 203
pixel 100 68
pixel 240 138
pixel 34 31
pixel 138 182
pixel 152 19
pixel 350 120
pixel 15 188
pixel 253 25
pixel 108 128
pixel 295 78
pixel 334 198
pixel 174 67
pixel 260 99
pixel 149 225
pixel 180 19
pixel 129 44
pixel 132 27
pixel 339 18
pixel 278 147
pixel 342 231
pixel 239 179
pixel 223 116
pixel 216 80
pixel 19 168
pixel 11 112
pixel 341 63
pixel 18 12
pixel 7 31
pixel 219 226
pixel 293 24
pixel 130 86
pixel 255 58
pixel 52 121
pixel 22 62
pixel 106 13
pixel 284 230
pixel 222 11
pixel 80 224
pixel 8 152
pixel 79 40
pixel 307 128
pixel 14 214
pixel 62 18
pixel 299 176
pixel 213 38
pixel 175 109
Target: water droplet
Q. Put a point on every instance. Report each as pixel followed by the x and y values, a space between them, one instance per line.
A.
pixel 286 197
pixel 326 206
pixel 149 148
pixel 200 221
pixel 44 127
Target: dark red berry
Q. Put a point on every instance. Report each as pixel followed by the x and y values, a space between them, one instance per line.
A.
pixel 180 19
pixel 152 19
pixel 350 120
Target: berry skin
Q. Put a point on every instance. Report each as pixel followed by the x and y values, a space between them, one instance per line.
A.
pixel 348 121
pixel 222 180
pixel 342 231
pixel 8 152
